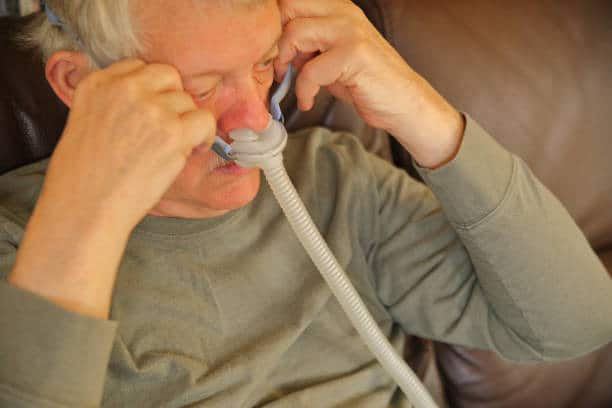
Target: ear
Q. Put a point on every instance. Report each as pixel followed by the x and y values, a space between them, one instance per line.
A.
pixel 64 70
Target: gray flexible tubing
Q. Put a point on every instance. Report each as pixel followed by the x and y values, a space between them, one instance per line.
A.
pixel 264 150
pixel 342 288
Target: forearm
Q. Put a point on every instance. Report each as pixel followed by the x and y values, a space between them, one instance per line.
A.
pixel 49 356
pixel 541 281
pixel 432 132
pixel 70 258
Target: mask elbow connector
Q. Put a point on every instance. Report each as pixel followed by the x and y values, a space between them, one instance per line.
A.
pixel 225 151
pixel 259 149
pixel 222 149
pixel 265 150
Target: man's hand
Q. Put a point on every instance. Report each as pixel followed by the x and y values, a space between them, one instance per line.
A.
pixel 336 46
pixel 130 131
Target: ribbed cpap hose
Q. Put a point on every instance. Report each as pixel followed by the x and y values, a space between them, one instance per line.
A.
pixel 264 150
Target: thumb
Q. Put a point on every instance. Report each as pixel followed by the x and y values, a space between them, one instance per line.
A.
pixel 199 127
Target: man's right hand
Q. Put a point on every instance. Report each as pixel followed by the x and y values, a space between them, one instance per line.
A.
pixel 130 131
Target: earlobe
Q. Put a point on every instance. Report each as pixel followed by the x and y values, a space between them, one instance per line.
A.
pixel 64 70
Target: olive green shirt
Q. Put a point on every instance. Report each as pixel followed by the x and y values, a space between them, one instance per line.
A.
pixel 231 312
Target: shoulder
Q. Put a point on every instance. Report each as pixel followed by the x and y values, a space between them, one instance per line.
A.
pixel 315 141
pixel 330 154
pixel 334 169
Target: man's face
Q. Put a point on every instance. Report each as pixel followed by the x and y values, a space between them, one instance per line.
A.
pixel 224 54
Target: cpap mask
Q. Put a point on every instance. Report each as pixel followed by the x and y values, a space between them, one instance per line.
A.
pixel 271 141
pixel 265 150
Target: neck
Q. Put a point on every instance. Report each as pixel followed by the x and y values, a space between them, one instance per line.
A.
pixel 176 209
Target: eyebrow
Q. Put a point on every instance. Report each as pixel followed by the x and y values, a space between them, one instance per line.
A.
pixel 271 50
pixel 265 56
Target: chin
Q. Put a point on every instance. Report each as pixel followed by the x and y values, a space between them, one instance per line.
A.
pixel 198 194
pixel 236 193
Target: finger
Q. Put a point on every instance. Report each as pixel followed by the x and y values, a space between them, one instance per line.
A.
pixel 124 67
pixel 101 78
pixel 305 37
pixel 333 67
pixel 292 9
pixel 309 35
pixel 199 127
pixel 159 78
pixel 179 102
pixel 298 62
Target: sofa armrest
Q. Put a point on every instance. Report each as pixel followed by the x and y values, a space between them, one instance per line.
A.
pixel 606 257
pixel 477 378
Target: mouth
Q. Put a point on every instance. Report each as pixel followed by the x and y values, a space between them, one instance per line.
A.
pixel 231 168
pixel 218 165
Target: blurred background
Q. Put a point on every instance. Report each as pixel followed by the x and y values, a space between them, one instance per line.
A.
pixel 18 7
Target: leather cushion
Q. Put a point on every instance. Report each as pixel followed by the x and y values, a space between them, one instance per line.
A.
pixel 31 116
pixel 536 74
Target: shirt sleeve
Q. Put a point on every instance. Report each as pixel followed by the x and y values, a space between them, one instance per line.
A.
pixel 49 357
pixel 490 259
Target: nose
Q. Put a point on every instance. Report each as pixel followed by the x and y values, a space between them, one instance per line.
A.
pixel 247 109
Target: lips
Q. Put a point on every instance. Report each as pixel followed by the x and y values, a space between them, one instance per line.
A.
pixel 201 148
pixel 233 169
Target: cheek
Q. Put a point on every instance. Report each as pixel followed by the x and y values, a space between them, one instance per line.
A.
pixel 264 79
pixel 225 96
pixel 266 84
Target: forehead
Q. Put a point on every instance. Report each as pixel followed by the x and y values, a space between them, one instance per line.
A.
pixel 198 36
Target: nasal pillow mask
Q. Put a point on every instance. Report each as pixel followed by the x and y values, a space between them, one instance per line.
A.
pixel 265 150
pixel 270 141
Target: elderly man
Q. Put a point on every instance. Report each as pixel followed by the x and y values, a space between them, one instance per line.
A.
pixel 153 274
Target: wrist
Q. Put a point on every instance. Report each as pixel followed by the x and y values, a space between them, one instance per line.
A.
pixel 435 139
pixel 448 143
pixel 70 259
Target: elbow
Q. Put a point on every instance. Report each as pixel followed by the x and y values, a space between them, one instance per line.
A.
pixel 571 344
pixel 554 341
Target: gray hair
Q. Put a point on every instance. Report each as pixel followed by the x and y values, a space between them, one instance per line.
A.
pixel 105 30
pixel 102 29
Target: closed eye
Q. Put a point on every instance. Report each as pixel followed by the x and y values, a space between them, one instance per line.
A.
pixel 203 96
pixel 264 66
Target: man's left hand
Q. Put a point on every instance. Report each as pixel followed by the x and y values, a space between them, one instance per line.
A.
pixel 334 45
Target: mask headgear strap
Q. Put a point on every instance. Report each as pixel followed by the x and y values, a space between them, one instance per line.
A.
pixel 279 95
pixel 55 21
pixel 52 17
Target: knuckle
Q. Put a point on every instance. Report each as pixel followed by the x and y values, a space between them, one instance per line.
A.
pixel 137 62
pixel 171 136
pixel 127 86
pixel 291 29
pixel 91 82
pixel 207 117
pixel 173 130
pixel 359 47
pixel 354 10
pixel 153 113
pixel 188 101
pixel 308 72
pixel 166 71
pixel 131 62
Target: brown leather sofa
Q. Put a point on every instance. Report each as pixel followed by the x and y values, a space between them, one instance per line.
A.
pixel 536 74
